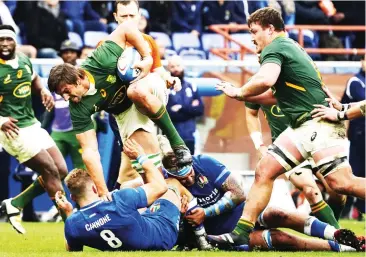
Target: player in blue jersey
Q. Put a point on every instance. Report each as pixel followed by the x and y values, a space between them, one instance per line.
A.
pixel 117 225
pixel 221 199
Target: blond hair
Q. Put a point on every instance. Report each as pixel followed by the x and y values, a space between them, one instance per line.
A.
pixel 76 182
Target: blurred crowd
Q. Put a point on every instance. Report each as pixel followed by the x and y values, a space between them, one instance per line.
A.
pixel 43 25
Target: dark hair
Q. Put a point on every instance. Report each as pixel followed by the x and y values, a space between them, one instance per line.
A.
pixel 125 2
pixel 7 27
pixel 64 74
pixel 267 16
pixel 170 161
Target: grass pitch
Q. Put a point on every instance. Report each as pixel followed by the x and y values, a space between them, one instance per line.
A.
pixel 46 239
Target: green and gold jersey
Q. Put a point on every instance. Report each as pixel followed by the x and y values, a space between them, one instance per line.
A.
pixel 277 121
pixel 107 92
pixel 15 90
pixel 299 85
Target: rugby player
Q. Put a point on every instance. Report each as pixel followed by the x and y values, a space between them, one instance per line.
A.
pixel 118 225
pixel 297 85
pixel 221 199
pixel 301 176
pixel 21 134
pixel 152 88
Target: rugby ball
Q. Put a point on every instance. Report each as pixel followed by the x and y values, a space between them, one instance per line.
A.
pixel 125 63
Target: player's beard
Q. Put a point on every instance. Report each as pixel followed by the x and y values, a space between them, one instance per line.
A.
pixel 179 75
pixel 9 56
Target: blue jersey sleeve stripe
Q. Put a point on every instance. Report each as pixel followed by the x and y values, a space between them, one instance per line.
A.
pixel 223 175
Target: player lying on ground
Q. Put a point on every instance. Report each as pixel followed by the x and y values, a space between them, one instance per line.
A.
pixel 117 224
pixel 95 86
pixel 221 199
pixel 21 134
pixel 150 91
pixel 301 176
pixel 297 85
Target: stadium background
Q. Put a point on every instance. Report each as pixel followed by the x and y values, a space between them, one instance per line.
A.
pixel 222 131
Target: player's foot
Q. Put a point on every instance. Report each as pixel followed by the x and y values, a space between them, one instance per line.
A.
pixel 229 241
pixel 203 244
pixel 348 237
pixel 13 214
pixel 183 154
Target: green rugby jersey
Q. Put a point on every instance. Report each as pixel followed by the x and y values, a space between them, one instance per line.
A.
pixel 16 89
pixel 107 92
pixel 299 85
pixel 277 121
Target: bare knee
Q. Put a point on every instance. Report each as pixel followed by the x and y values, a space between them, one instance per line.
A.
pixel 137 93
pixel 272 216
pixel 50 169
pixel 340 184
pixel 263 174
pixel 62 171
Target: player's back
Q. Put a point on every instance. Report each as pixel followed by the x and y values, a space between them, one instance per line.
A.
pixel 299 85
pixel 116 225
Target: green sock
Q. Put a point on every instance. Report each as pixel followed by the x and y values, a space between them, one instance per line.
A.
pixel 243 228
pixel 162 120
pixel 323 212
pixel 29 194
pixel 337 207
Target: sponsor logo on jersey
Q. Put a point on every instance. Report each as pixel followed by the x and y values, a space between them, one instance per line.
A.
pixel 22 90
pixel 111 79
pixel 202 181
pixel 313 136
pixel 118 97
pixel 7 80
pixel 276 111
pixel 155 207
pixel 19 74
pixel 207 200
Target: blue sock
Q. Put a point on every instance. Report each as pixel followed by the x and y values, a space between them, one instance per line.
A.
pixel 334 246
pixel 315 227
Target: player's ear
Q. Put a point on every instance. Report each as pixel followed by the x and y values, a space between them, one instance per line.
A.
pixel 95 190
pixel 115 16
pixel 73 197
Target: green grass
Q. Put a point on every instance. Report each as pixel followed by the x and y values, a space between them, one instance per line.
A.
pixel 46 239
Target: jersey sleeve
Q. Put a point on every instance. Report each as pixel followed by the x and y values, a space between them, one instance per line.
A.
pixel 72 241
pixel 217 171
pixel 80 117
pixel 133 198
pixel 272 54
pixel 252 106
pixel 154 53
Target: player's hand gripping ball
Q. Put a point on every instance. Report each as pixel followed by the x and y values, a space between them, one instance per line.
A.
pixel 125 64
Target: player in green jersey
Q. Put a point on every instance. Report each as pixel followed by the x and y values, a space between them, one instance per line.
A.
pixel 296 84
pixel 21 134
pixel 301 176
pixel 95 86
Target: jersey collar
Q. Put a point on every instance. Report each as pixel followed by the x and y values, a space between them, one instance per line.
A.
pixel 92 90
pixel 13 62
pixel 89 206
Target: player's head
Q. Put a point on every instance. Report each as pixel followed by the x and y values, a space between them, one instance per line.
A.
pixel 7 42
pixel 175 66
pixel 186 175
pixel 264 25
pixel 67 81
pixel 69 52
pixel 81 186
pixel 127 10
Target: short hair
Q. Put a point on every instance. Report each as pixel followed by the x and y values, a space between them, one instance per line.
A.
pixel 125 2
pixel 267 16
pixel 64 74
pixel 169 161
pixel 76 182
pixel 7 27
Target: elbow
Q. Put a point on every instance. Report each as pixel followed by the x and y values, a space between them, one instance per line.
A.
pixel 163 188
pixel 268 83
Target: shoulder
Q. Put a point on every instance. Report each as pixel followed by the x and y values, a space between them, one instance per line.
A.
pixel 23 58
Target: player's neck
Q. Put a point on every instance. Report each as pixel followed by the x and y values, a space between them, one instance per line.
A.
pixel 277 35
pixel 88 200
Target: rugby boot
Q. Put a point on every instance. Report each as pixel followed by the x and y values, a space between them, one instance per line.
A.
pixel 183 154
pixel 203 244
pixel 348 237
pixel 13 214
pixel 230 241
